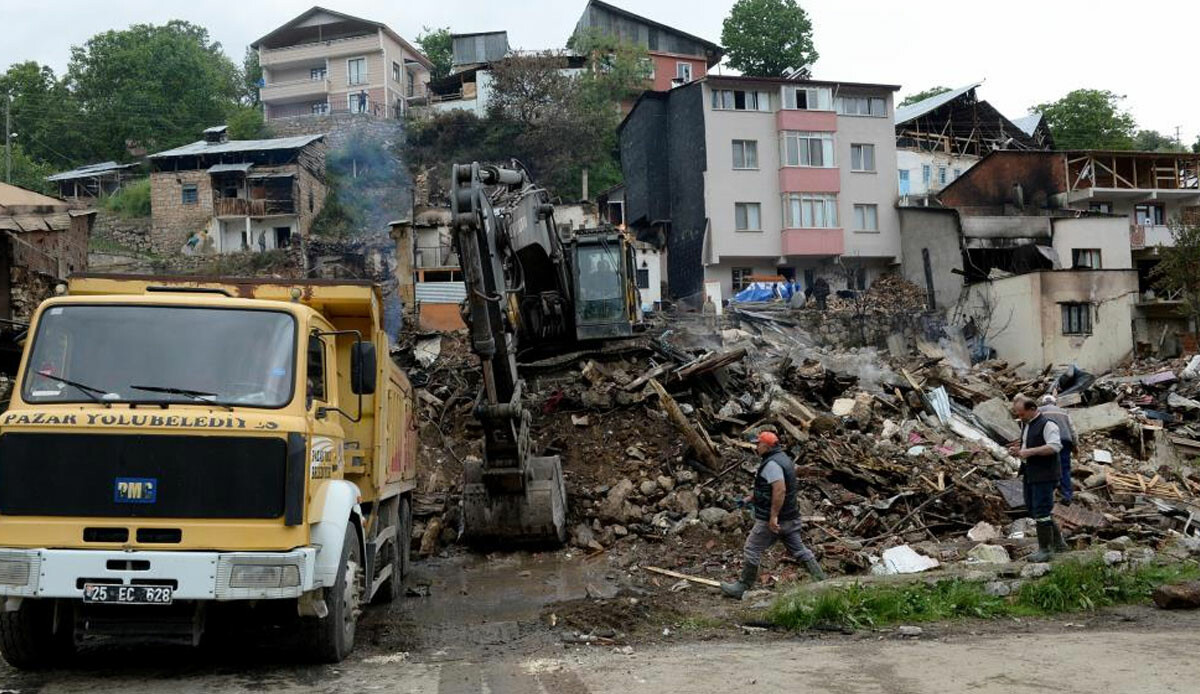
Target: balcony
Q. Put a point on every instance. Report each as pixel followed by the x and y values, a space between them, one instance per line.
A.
pixel 1149 235
pixel 813 242
pixel 812 121
pixel 804 179
pixel 241 207
pixel 318 50
pixel 294 89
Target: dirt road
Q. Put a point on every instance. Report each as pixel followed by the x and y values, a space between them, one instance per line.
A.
pixel 484 629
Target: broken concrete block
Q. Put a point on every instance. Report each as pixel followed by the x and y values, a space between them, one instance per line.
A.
pixel 648 488
pixel 1178 596
pixel 582 536
pixel 1113 557
pixel 988 554
pixel 1102 456
pixel 667 483
pixel 713 515
pixel 910 631
pixel 999 589
pixel 842 407
pixel 1035 570
pixel 983 532
pixel 1086 420
pixel 996 415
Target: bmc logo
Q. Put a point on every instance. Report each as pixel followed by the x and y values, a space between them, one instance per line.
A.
pixel 135 490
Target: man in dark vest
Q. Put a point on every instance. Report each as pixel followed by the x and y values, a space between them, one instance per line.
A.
pixel 1038 449
pixel 776 516
pixel 1066 428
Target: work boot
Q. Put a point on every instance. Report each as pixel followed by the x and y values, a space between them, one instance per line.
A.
pixel 1060 545
pixel 736 590
pixel 814 569
pixel 1045 535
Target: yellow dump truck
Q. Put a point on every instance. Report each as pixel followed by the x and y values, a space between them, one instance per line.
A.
pixel 178 447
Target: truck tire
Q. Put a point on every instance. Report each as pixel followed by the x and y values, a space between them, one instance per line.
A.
pixel 28 640
pixel 398 553
pixel 331 638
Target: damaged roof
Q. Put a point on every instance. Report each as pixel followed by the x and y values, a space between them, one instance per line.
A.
pixel 907 113
pixel 91 171
pixel 1028 124
pixel 200 147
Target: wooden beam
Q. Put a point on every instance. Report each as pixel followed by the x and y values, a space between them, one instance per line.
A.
pixel 685 577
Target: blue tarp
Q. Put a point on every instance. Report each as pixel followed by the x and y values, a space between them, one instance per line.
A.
pixel 767 291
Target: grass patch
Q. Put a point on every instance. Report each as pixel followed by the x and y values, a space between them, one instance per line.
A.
pixel 132 200
pixel 1069 586
pixel 701 623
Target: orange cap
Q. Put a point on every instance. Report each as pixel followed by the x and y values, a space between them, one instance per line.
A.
pixel 768 437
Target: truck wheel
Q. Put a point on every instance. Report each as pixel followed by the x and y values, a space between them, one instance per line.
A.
pixel 28 640
pixel 398 553
pixel 332 637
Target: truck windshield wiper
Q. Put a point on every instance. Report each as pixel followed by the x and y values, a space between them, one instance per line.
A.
pixel 196 395
pixel 90 391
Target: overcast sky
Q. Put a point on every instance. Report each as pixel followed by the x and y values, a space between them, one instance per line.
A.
pixel 1028 51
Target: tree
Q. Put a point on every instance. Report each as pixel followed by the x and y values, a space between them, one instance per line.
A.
pixel 1178 270
pixel 1196 145
pixel 153 86
pixel 1088 119
pixel 768 37
pixel 28 172
pixel 252 75
pixel 617 70
pixel 437 45
pixel 45 115
pixel 923 95
pixel 1154 141
pixel 246 123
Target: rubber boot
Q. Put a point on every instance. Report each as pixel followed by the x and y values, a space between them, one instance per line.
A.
pixel 1045 536
pixel 814 569
pixel 736 590
pixel 1060 545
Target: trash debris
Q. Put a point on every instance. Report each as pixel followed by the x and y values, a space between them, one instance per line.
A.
pixel 903 560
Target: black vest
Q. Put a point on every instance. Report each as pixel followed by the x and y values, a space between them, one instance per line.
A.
pixel 762 488
pixel 1040 468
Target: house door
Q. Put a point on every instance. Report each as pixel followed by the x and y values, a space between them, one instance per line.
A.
pixel 904 181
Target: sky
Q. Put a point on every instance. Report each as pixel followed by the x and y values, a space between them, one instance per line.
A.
pixel 1026 51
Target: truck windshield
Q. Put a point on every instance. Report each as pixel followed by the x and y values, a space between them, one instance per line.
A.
pixel 162 354
pixel 601 289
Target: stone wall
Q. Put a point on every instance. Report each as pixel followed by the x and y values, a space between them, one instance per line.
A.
pixel 844 329
pixel 339 127
pixel 174 222
pixel 132 234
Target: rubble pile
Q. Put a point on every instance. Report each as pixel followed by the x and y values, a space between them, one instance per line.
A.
pixel 898 455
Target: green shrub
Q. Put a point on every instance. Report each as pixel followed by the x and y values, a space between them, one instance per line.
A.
pixel 133 200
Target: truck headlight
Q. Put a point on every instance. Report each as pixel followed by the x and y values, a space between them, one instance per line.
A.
pixel 14 572
pixel 264 576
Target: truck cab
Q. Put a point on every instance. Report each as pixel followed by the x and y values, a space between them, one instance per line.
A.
pixel 173 444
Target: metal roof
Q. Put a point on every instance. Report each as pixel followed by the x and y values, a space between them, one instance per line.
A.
pixel 316 9
pixel 907 113
pixel 241 167
pixel 201 147
pixel 441 292
pixel 1029 123
pixel 90 171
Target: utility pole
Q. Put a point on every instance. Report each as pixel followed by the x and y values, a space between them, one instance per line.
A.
pixel 8 138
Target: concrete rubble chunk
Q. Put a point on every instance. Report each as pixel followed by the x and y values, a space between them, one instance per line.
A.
pixel 667 483
pixel 1177 596
pixel 1087 420
pixel 1035 570
pixel 996 414
pixel 1113 557
pixel 910 631
pixel 842 407
pixel 686 502
pixel 998 589
pixel 648 488
pixel 983 532
pixel 713 515
pixel 1102 456
pixel 988 554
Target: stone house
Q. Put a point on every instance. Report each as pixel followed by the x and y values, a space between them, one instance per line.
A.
pixel 223 196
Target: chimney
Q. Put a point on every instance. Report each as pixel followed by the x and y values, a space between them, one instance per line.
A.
pixel 216 135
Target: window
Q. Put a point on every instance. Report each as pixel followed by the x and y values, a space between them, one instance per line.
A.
pixel 643 278
pixel 745 154
pixel 684 71
pixel 862 106
pixel 810 210
pixel 862 158
pixel 904 185
pixel 320 109
pixel 410 88
pixel 941 175
pixel 957 173
pixel 189 195
pixel 1104 207
pixel 356 71
pixel 1148 214
pixel 1085 258
pixel 357 103
pixel 741 278
pixel 396 72
pixel 316 74
pixel 1076 319
pixel 807 98
pixel 866 218
pixel 747 216
pixel 739 100
pixel 283 237
pixel 807 149
pixel 310 201
pixel 926 174
pixel 316 368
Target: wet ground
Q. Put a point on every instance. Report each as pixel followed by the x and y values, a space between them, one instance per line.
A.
pixel 486 626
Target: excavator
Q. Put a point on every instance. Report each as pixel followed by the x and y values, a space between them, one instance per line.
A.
pixel 528 286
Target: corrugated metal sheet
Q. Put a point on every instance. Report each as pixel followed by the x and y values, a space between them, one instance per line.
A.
pixel 907 113
pixel 479 48
pixel 240 167
pixel 441 292
pixel 1029 123
pixel 202 147
pixel 90 171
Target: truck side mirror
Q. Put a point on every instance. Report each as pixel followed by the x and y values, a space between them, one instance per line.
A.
pixel 362 368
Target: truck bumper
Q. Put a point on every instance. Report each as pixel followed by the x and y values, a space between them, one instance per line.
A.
pixel 62 573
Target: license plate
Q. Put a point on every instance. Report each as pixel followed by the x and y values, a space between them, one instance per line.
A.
pixel 127 595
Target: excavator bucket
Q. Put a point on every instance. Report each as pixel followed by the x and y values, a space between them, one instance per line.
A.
pixel 532 510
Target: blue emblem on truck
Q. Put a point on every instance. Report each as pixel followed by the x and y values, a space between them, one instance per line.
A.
pixel 135 490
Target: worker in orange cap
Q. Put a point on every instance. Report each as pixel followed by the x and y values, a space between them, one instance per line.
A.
pixel 776 516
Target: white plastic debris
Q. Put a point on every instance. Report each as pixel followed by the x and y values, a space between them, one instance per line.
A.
pixel 903 560
pixel 1102 456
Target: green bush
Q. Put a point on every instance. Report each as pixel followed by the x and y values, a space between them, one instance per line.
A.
pixel 133 200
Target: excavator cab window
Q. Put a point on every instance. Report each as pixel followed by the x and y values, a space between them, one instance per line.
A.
pixel 601 284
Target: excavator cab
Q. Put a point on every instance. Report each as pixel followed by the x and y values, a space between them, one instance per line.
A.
pixel 606 298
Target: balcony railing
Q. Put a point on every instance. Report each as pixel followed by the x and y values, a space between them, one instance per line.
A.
pixel 294 89
pixel 241 207
pixel 303 52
